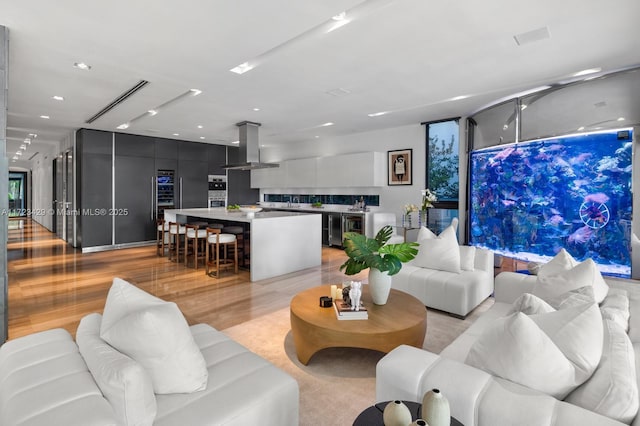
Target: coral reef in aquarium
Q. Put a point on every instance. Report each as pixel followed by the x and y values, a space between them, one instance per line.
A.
pixel 529 200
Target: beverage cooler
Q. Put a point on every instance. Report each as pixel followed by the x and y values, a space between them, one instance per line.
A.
pixel 165 195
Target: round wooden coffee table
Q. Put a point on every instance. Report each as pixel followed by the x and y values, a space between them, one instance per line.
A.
pixel 403 320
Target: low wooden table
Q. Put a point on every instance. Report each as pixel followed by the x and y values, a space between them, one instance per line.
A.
pixel 403 320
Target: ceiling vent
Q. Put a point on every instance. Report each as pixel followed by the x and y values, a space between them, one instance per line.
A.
pixel 532 36
pixel 117 101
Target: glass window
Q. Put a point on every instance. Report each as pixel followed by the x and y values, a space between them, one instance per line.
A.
pixel 442 161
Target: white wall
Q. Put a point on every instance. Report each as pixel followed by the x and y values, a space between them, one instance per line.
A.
pixel 42 186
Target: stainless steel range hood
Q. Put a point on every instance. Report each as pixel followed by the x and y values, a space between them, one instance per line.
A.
pixel 249 149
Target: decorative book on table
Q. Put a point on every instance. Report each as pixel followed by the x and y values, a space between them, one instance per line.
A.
pixel 344 312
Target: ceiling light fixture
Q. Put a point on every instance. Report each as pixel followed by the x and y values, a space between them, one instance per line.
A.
pixel 27 141
pixel 242 68
pixel 176 134
pixel 195 92
pixel 57 98
pixel 581 128
pixel 327 124
pixel 123 126
pixel 46 117
pixel 33 135
pixel 256 109
pixel 23 147
pixel 199 126
pixel 236 142
pixel 82 66
pixel 378 114
pixel 621 119
pixel 202 137
pixel 586 72
pixel 152 112
pixel 18 152
pixel 458 98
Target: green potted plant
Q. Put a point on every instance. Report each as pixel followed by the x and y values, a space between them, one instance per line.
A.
pixel 382 259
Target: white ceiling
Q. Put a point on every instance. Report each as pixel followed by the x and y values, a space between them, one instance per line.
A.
pixel 409 57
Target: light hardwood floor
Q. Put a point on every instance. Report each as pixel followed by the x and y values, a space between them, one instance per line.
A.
pixel 54 285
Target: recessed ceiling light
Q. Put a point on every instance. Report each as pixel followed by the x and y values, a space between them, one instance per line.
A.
pixel 23 147
pixel 581 128
pixel 327 124
pixel 46 117
pixel 57 98
pixel 202 137
pixel 123 126
pixel 505 127
pixel 27 141
pixel 242 68
pixel 195 92
pixel 339 20
pixel 457 98
pixel 152 112
pixel 378 114
pixel 236 142
pixel 620 118
pixel 256 109
pixel 82 66
pixel 18 152
pixel 33 135
pixel 176 134
pixel 316 136
pixel 586 72
pixel 523 107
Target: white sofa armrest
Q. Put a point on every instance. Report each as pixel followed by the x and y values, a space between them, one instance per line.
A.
pixel 476 398
pixel 483 260
pixel 510 285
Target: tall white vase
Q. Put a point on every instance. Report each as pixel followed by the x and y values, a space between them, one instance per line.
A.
pixel 379 286
pixel 435 408
pixel 396 413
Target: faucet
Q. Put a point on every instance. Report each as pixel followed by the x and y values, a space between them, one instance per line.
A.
pixel 296 200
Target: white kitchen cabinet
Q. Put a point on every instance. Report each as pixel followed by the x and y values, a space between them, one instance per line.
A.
pixel 363 169
pixel 301 173
pixel 270 178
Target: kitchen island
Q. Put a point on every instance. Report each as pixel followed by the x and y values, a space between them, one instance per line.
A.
pixel 280 242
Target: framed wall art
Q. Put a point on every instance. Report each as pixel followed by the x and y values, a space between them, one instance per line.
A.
pixel 400 167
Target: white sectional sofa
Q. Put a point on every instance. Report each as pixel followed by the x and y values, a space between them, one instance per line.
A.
pixel 456 293
pixel 478 398
pixel 48 379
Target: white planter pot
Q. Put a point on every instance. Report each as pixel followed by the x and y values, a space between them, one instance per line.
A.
pixel 379 286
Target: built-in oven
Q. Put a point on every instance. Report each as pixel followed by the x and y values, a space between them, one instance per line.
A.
pixel 217 196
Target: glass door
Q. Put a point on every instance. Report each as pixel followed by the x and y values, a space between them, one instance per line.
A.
pixel 17 201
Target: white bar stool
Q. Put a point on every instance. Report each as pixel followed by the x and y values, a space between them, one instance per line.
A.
pixel 217 246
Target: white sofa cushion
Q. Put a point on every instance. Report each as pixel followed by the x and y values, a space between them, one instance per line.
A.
pixel 157 336
pixel 585 273
pixel 441 253
pixel 123 382
pixel 612 390
pixel 551 352
pixel 616 307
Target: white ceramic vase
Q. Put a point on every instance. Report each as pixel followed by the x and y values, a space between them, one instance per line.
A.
pixel 379 286
pixel 435 409
pixel 396 413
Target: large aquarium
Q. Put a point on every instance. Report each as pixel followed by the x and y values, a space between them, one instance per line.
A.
pixel 529 200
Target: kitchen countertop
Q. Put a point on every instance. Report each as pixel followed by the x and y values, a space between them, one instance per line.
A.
pixel 307 208
pixel 221 213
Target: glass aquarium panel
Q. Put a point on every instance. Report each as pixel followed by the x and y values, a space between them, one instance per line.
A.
pixel 529 200
pixel 443 159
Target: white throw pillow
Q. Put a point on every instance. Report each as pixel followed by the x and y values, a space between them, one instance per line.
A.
pixel 157 336
pixel 562 261
pixel 612 390
pixel 123 382
pixel 425 233
pixel 551 352
pixel 441 253
pixel 576 297
pixel 467 258
pixel 529 304
pixel 585 273
pixel 122 299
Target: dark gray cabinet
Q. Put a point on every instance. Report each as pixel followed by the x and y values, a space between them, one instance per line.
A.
pixel 239 189
pixel 134 211
pixel 192 184
pixel 217 158
pixel 94 172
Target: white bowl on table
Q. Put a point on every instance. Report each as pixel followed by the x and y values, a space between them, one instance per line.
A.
pixel 250 210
